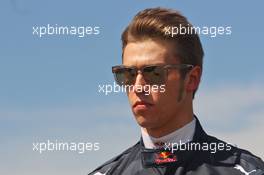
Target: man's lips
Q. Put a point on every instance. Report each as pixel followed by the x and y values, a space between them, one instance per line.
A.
pixel 142 104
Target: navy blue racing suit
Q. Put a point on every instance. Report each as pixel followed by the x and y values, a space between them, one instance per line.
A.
pixel 200 159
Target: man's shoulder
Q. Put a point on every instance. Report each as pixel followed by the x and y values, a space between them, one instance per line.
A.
pixel 247 157
pixel 105 167
pixel 240 157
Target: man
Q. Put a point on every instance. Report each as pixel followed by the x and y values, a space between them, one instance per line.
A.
pixel 172 141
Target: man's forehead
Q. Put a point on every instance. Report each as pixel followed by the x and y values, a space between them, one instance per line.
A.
pixel 148 52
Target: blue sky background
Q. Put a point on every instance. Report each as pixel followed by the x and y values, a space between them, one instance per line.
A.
pixel 49 85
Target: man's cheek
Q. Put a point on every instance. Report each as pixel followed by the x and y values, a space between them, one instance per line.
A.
pixel 171 92
pixel 160 98
pixel 130 98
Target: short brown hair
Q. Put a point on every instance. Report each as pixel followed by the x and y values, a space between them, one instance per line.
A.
pixel 150 24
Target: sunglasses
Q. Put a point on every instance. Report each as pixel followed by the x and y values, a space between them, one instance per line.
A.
pixel 153 74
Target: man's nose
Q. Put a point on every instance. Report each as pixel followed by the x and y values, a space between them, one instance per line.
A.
pixel 140 81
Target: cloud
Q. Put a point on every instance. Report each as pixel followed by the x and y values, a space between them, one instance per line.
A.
pixel 234 113
pixel 249 138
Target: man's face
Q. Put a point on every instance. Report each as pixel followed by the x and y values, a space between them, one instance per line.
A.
pixel 157 109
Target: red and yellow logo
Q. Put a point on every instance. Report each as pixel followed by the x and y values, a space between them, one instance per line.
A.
pixel 165 157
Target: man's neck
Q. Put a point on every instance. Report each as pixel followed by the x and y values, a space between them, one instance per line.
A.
pixel 181 135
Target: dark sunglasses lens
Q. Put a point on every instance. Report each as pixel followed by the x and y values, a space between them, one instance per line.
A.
pixel 125 76
pixel 154 75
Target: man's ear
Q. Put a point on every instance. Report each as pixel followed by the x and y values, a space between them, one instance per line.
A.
pixel 193 79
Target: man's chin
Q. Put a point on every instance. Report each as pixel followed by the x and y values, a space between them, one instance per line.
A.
pixel 145 121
